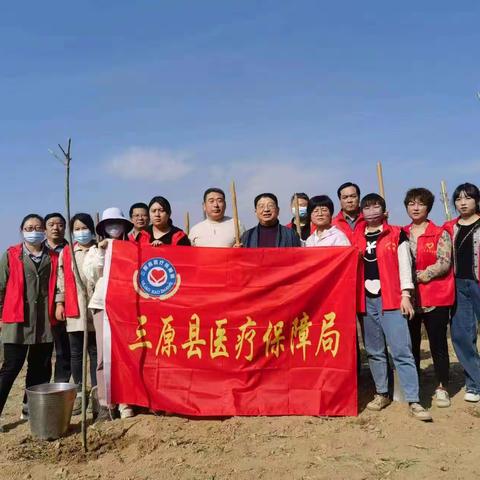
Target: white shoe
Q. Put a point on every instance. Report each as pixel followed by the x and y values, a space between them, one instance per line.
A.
pixel 126 411
pixel 471 397
pixel 441 398
pixel 25 414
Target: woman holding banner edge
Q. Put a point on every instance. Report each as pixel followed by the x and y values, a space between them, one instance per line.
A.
pixel 113 226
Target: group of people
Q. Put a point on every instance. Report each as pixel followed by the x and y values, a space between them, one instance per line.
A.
pixel 419 273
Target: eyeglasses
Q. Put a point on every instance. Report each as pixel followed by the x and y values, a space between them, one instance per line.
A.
pixel 33 229
pixel 268 206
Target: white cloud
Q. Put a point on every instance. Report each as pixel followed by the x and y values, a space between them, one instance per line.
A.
pixel 150 164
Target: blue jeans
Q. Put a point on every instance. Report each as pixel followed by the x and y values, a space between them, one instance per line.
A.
pixel 389 328
pixel 464 329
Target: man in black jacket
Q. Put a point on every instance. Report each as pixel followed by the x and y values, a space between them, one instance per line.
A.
pixel 269 232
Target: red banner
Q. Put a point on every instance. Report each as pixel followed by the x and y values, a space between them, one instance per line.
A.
pixel 220 332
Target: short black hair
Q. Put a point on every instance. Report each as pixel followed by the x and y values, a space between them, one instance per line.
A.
pixel 320 201
pixel 86 219
pixel 32 215
pixel 271 196
pixel 54 215
pixel 213 190
pixel 423 194
pixel 373 199
pixel 300 195
pixel 346 185
pixel 165 204
pixel 470 190
pixel 137 205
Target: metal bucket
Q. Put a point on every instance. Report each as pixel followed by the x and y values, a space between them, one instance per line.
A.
pixel 50 409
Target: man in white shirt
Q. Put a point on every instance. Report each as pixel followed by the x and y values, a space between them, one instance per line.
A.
pixel 217 230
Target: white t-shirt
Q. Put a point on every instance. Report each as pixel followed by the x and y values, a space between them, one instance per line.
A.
pixel 214 234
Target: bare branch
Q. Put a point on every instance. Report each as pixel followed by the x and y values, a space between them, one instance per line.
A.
pixel 56 156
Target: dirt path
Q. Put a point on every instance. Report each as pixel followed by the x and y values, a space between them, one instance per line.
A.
pixel 389 444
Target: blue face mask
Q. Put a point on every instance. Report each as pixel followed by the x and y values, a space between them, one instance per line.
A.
pixel 302 211
pixel 83 237
pixel 35 238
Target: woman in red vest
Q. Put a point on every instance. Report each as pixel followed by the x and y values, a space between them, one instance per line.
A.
pixel 27 287
pixel 431 248
pixel 384 292
pixel 161 229
pixel 72 303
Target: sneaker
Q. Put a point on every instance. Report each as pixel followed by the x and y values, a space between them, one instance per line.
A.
pixel 94 404
pixel 418 412
pixel 24 415
pixel 126 411
pixel 105 414
pixel 379 402
pixel 471 397
pixel 77 405
pixel 441 398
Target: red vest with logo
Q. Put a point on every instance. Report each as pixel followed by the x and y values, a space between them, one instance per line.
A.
pixel 439 292
pixel 387 258
pixel 13 305
pixel 359 228
pixel 71 294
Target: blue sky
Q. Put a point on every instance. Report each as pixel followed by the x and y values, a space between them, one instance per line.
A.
pixel 172 97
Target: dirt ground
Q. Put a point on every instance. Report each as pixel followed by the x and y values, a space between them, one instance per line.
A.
pixel 388 444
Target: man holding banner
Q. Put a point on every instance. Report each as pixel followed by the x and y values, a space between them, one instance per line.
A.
pixel 269 232
pixel 217 230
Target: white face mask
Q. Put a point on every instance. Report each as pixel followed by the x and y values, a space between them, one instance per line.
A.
pixel 114 230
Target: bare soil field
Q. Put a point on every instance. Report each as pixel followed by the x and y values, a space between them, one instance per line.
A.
pixel 388 444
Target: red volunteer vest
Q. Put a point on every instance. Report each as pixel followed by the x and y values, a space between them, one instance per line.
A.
pixel 340 222
pixel 71 293
pixel 176 237
pixel 387 259
pixel 13 305
pixel 439 292
pixel 141 237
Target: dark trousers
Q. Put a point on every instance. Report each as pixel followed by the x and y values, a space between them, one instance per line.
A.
pixel 62 353
pixel 436 323
pixel 76 349
pixel 38 370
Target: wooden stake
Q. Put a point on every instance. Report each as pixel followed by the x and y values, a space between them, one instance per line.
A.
pixel 297 216
pixel 381 187
pixel 446 205
pixel 235 212
pixel 97 221
pixel 66 162
pixel 187 223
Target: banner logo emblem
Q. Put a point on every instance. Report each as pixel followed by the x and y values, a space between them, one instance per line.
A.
pixel 157 278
